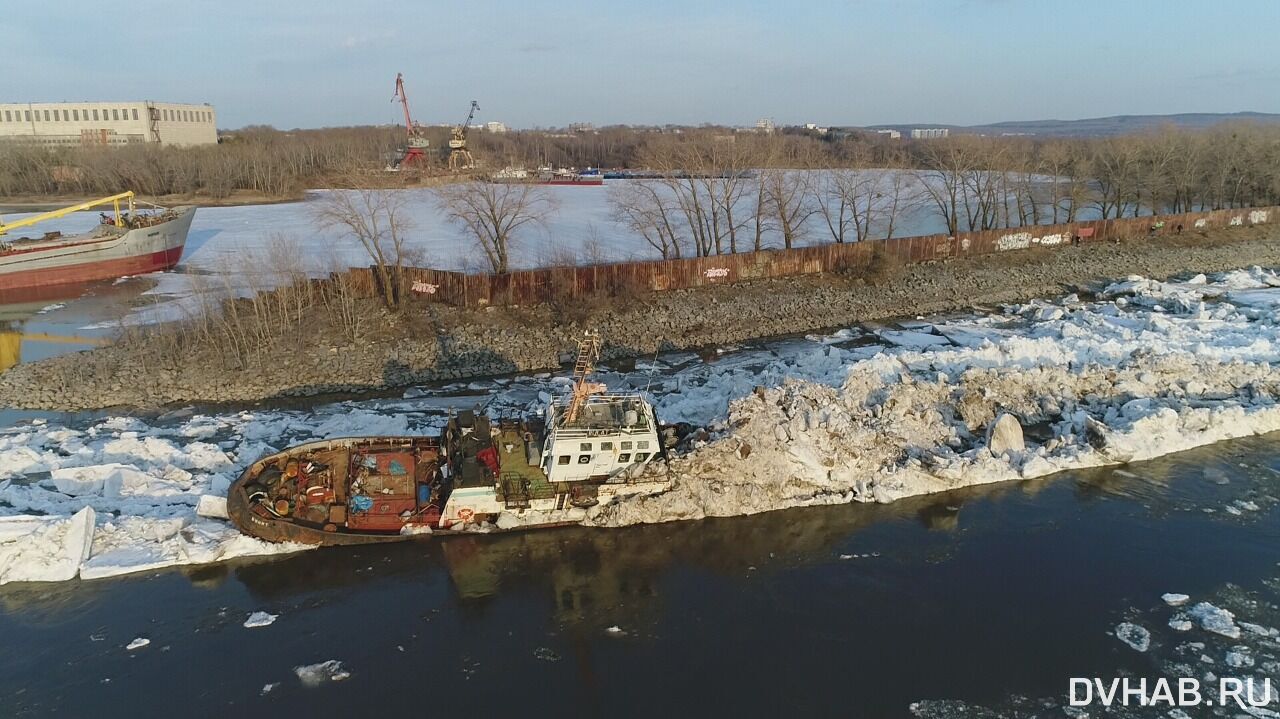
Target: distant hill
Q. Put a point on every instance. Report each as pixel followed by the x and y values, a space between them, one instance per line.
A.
pixel 1095 126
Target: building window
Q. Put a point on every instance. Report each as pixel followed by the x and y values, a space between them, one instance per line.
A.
pixel 115 114
pixel 584 459
pixel 626 445
pixel 46 115
pixel 562 459
pixel 7 118
pixel 135 114
pixel 584 447
pixel 641 456
pixel 56 116
pixel 604 446
pixel 95 113
pixel 624 457
pixel 28 112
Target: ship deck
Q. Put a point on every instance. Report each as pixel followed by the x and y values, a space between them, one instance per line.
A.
pixel 514 464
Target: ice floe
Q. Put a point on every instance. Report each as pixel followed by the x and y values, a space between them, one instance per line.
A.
pixel 260 619
pixel 314 675
pixel 1137 637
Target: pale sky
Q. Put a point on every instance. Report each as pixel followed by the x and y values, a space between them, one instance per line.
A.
pixel 534 63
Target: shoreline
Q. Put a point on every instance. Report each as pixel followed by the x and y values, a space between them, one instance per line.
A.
pixel 434 343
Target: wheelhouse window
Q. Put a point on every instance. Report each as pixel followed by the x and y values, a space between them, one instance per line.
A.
pixel 626 445
pixel 584 459
pixel 624 457
pixel 642 444
pixel 641 456
pixel 606 446
pixel 584 447
pixel 562 459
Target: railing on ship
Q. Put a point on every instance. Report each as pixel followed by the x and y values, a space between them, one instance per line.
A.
pixel 581 429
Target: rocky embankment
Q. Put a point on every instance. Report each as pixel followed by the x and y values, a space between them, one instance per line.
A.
pixel 452 344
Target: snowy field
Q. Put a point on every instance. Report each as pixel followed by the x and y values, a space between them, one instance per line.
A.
pixel 866 414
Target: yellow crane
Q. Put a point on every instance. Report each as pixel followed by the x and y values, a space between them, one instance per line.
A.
pixel 114 200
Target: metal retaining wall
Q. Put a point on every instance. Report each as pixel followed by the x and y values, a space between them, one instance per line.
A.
pixel 540 285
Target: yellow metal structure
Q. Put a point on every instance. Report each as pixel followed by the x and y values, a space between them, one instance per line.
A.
pixel 114 200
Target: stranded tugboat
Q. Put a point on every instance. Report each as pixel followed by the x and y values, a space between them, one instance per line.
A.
pixel 478 474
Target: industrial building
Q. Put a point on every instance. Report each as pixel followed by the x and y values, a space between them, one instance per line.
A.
pixel 930 133
pixel 66 124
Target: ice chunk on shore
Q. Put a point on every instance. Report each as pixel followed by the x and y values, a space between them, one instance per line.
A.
pixel 44 549
pixel 212 507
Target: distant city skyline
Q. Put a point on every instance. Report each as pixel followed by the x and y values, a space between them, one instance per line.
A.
pixel 535 64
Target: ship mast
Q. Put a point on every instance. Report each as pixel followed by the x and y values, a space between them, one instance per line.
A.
pixel 588 353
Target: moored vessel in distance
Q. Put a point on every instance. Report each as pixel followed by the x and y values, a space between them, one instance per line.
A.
pixel 588 448
pixel 550 176
pixel 127 243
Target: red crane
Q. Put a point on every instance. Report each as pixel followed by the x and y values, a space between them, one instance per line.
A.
pixel 416 143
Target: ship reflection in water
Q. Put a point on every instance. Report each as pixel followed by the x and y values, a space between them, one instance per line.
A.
pixel 23 323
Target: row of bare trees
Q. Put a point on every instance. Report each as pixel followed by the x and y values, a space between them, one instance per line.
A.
pixel 724 193
pixel 258 160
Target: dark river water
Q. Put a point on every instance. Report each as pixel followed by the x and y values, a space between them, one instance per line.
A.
pixel 991 598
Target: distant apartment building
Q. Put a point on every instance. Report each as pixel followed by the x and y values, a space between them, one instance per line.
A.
pixel 67 124
pixel 891 134
pixel 931 133
pixel 495 126
pixel 765 125
pixel 582 128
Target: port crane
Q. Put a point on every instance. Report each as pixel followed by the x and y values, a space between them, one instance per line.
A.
pixel 416 143
pixel 459 156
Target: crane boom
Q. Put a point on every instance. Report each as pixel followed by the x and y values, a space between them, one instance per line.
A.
pixel 466 124
pixel 55 214
pixel 404 100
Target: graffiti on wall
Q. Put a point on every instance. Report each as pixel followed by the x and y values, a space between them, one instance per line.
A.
pixel 1023 240
pixel 1014 241
pixel 1202 222
pixel 1257 217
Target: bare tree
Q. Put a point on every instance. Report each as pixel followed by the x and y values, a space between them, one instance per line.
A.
pixel 378 221
pixel 788 197
pixel 494 214
pixel 651 211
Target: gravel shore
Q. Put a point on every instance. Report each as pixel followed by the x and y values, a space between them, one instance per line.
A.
pixel 494 341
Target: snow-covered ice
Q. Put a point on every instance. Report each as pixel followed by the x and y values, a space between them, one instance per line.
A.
pixel 875 424
pixel 138 643
pixel 1174 599
pixel 791 422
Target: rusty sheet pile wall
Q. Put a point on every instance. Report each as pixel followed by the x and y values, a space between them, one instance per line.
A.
pixel 531 286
